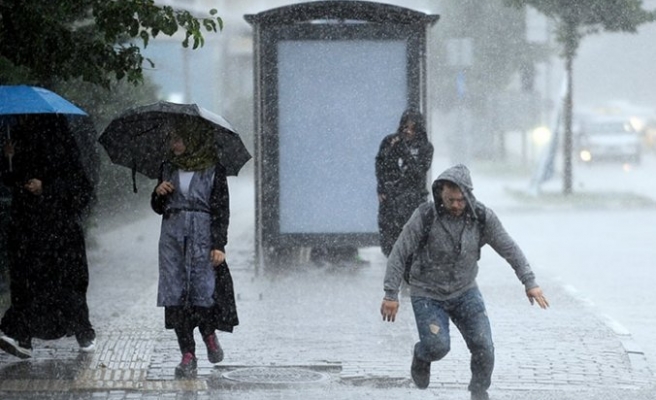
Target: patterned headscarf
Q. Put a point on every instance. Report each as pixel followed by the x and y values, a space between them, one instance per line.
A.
pixel 201 152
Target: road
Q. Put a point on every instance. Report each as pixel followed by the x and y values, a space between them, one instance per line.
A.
pixel 600 245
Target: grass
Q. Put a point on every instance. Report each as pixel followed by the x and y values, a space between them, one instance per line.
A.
pixel 553 198
pixel 583 199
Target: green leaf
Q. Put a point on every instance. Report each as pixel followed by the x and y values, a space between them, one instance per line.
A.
pixel 145 37
pixel 87 39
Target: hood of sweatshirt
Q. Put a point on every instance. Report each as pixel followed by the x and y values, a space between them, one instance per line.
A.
pixel 458 174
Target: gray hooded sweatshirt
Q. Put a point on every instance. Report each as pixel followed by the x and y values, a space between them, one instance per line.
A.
pixel 445 249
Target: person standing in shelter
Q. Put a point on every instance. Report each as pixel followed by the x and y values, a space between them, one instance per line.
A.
pixel 445 237
pixel 402 162
pixel 48 268
pixel 195 285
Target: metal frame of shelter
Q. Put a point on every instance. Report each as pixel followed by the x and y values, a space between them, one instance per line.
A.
pixel 318 21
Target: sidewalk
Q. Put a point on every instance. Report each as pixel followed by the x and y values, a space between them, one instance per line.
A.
pixel 316 333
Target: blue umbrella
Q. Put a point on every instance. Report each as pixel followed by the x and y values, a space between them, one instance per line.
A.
pixel 40 103
pixel 22 99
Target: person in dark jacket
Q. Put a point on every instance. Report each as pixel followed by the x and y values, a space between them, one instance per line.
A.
pixel 48 267
pixel 402 162
pixel 195 285
pixel 444 238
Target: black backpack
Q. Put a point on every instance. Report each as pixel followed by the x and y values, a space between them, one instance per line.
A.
pixel 427 218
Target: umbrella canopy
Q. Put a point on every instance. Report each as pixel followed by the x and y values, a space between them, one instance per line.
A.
pixel 22 99
pixel 139 137
pixel 35 106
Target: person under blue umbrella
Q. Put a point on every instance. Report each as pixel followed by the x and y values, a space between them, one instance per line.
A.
pixel 48 267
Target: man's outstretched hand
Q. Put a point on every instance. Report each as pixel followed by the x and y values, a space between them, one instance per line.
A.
pixel 388 310
pixel 535 295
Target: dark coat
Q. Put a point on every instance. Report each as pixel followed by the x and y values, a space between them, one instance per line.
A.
pixel 46 247
pixel 401 167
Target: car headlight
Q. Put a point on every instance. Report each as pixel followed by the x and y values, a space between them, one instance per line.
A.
pixel 540 136
pixel 585 155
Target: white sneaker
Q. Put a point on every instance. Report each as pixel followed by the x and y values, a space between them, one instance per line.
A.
pixel 88 346
pixel 14 348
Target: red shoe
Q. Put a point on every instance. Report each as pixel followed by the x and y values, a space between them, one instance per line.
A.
pixel 214 350
pixel 187 367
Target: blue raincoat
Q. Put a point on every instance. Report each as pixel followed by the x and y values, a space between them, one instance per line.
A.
pixel 193 224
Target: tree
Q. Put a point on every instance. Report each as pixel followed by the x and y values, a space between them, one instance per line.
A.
pixel 574 20
pixel 93 40
pixel 88 51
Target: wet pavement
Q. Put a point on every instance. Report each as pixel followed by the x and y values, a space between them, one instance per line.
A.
pixel 314 332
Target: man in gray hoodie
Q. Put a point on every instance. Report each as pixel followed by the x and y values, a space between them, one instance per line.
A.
pixel 444 238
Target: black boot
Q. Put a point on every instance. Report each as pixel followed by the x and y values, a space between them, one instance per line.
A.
pixel 420 371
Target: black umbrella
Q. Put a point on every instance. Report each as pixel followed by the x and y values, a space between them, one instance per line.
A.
pixel 139 137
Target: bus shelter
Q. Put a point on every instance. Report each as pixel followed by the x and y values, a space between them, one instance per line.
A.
pixel 331 80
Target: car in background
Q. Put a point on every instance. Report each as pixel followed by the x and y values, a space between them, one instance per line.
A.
pixel 649 134
pixel 609 138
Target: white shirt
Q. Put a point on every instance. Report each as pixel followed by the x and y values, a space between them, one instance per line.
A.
pixel 185 180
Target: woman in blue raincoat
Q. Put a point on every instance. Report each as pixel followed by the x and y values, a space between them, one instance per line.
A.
pixel 195 285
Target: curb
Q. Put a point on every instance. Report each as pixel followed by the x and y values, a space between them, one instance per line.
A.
pixel 633 351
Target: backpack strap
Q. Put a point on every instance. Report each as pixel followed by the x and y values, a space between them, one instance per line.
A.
pixel 480 213
pixel 480 218
pixel 427 220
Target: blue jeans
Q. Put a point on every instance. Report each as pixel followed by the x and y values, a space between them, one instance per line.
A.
pixel 468 314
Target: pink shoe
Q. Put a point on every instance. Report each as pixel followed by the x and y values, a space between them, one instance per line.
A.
pixel 187 367
pixel 214 350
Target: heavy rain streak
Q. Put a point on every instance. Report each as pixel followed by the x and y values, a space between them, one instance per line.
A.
pixel 281 210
